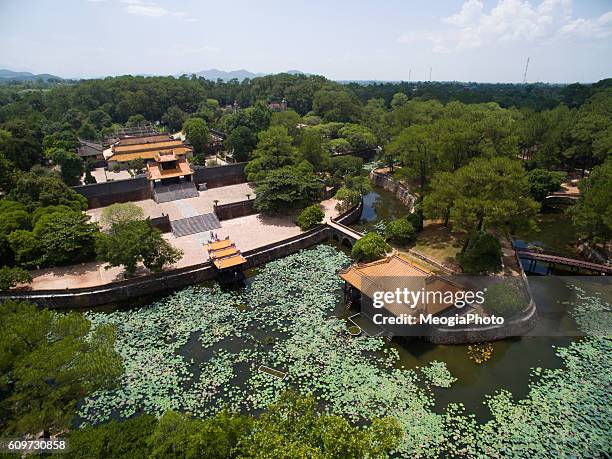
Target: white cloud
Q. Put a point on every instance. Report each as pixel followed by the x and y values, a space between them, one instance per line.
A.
pixel 140 8
pixel 511 21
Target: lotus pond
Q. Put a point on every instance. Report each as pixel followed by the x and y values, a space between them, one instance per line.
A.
pixel 200 349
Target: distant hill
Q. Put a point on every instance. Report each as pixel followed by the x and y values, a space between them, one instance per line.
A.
pixel 10 75
pixel 215 74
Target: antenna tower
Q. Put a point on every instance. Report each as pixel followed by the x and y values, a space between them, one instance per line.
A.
pixel 525 74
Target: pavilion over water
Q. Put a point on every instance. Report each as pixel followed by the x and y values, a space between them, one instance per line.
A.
pixel 363 280
pixel 224 254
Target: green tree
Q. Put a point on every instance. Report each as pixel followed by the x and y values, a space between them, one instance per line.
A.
pixel 347 199
pixel 197 134
pixel 65 237
pixel 174 118
pixel 89 178
pixel 13 216
pixel 131 242
pixel 274 150
pixel 48 363
pixel 400 231
pixel 359 137
pixel 10 277
pixel 287 189
pixel 26 248
pixel 7 174
pixel 39 189
pixel 336 105
pixel 311 150
pixel 71 165
pixel 88 131
pixel 482 255
pixel 292 428
pixel 592 215
pixel 486 193
pixel 543 182
pixel 336 146
pixel 342 166
pixel 127 439
pixel 241 141
pixel 180 436
pixel 370 247
pixel 289 119
pixel 310 217
pixel 136 166
pixel 398 99
pixel 120 213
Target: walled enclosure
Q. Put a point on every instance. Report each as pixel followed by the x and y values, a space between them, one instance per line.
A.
pixel 138 188
pixel 172 279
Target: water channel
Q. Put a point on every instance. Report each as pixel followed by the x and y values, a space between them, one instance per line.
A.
pixel 512 359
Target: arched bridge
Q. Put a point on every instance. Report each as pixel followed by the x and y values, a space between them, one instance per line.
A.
pixel 343 234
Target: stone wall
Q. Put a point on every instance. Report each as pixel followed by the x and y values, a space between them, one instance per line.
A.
pixel 400 191
pixel 216 176
pixel 235 209
pixel 107 193
pixel 155 284
pixel 162 223
pixel 518 325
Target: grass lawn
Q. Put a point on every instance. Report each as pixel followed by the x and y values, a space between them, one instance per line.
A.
pixel 439 243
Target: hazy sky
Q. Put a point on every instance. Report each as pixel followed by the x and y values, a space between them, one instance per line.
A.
pixel 467 40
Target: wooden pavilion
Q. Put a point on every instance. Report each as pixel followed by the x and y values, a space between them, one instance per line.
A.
pixel 363 280
pixel 224 255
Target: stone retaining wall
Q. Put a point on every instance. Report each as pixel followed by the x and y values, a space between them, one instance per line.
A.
pixel 217 176
pixel 400 191
pixel 154 284
pixel 235 209
pixel 138 188
pixel 518 325
pixel 106 193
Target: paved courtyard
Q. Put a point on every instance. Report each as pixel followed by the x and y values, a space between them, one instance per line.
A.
pixel 190 207
pixel 103 175
pixel 247 232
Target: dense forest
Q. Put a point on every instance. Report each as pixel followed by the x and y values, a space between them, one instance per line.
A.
pixel 434 131
pixel 479 157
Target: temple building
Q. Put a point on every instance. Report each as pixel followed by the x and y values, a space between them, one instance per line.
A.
pixel 166 158
pixel 89 149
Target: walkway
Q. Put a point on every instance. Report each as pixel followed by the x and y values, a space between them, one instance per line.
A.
pixel 196 224
pixel 564 261
pixel 174 192
pixel 348 232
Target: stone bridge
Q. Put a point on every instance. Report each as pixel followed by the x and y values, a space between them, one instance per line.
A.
pixel 343 234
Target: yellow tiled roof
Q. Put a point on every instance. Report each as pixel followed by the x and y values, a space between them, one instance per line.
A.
pixel 392 273
pixel 147 154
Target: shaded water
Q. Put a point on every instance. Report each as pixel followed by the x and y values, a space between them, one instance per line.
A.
pixel 512 359
pixel 378 205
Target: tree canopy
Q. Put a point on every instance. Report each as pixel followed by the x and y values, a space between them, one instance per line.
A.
pixel 486 193
pixel 129 242
pixel 48 362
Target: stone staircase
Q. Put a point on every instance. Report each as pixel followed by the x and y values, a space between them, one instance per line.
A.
pixel 174 192
pixel 197 224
